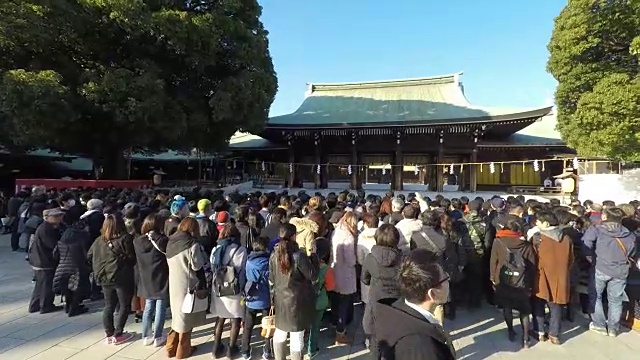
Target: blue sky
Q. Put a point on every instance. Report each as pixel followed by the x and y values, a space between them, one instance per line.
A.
pixel 499 44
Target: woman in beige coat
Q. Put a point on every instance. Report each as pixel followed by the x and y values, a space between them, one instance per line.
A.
pixel 186 271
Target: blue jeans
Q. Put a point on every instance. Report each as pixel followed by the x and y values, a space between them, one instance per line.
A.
pixel 615 296
pixel 160 309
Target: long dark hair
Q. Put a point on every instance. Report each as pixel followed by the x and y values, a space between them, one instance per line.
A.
pixel 283 256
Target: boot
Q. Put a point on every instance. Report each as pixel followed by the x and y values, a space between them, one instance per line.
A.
pixel 184 346
pixel 279 350
pixel 296 355
pixel 172 343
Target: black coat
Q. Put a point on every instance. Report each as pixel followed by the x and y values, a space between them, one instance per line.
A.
pixel 411 337
pixel 113 261
pixel 152 266
pixel 171 225
pixel 43 252
pixel 72 272
pixel 272 231
pixel 94 224
pixel 380 270
pixel 294 293
pixel 208 234
pixel 247 233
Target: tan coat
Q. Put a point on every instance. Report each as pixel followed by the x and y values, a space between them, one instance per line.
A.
pixel 555 258
pixel 306 230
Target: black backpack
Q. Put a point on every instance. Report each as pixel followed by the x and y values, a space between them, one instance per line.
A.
pixel 513 272
pixel 225 278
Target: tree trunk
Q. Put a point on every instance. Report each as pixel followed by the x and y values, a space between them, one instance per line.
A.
pixel 110 166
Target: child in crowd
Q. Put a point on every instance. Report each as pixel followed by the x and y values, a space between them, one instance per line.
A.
pixel 326 282
pixel 257 296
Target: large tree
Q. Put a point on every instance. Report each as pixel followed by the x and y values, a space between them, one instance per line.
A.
pixel 102 77
pixel 594 56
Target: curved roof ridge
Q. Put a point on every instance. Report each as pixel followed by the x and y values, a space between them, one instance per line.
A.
pixel 448 78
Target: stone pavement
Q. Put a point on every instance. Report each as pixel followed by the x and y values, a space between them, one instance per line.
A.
pixel 478 335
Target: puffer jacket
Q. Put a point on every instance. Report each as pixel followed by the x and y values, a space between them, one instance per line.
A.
pixel 72 272
pixel 306 231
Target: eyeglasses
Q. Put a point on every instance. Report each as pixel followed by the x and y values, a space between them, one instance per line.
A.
pixel 439 283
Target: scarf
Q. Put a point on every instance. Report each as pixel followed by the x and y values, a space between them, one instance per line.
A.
pixel 179 242
pixel 508 233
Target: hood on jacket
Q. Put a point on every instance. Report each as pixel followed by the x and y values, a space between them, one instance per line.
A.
pixel 386 256
pixel 261 255
pixel 513 242
pixel 614 230
pixel 87 213
pixel 553 232
pixel 368 234
pixel 409 224
pixel 304 224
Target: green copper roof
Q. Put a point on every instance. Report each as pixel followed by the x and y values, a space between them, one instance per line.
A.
pixel 541 133
pixel 428 101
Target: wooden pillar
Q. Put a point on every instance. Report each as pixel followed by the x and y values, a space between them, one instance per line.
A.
pixel 473 176
pixel 324 172
pixel 440 160
pixel 292 163
pixel 398 164
pixel 317 175
pixel 355 182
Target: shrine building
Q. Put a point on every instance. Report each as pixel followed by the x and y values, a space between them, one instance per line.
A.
pixel 393 132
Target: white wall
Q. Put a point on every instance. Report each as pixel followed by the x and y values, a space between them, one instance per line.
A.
pixel 619 188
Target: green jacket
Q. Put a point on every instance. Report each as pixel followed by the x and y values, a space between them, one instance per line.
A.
pixel 322 300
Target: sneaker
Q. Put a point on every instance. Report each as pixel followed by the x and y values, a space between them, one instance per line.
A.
pixel 246 355
pixel 158 342
pixel 147 340
pixel 124 337
pixel 342 338
pixel 612 333
pixel 597 329
pixel 109 340
pixel 267 356
pixel 554 340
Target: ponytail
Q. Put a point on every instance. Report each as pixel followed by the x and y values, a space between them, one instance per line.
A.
pixel 283 255
pixel 284 261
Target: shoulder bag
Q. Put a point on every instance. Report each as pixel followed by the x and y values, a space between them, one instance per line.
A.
pixel 633 265
pixel 195 300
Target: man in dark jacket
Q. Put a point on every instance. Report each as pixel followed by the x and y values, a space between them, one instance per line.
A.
pixel 208 230
pixel 13 206
pixel 43 260
pixel 613 245
pixel 416 334
pixel 498 210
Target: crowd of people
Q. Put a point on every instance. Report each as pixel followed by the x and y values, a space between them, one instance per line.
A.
pixel 293 262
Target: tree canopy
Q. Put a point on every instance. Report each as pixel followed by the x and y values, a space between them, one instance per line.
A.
pixel 594 56
pixel 102 77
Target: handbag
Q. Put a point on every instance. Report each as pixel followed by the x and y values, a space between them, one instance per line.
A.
pixel 268 324
pixel 195 300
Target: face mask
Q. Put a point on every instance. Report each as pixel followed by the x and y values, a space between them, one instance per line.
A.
pixel 71 203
